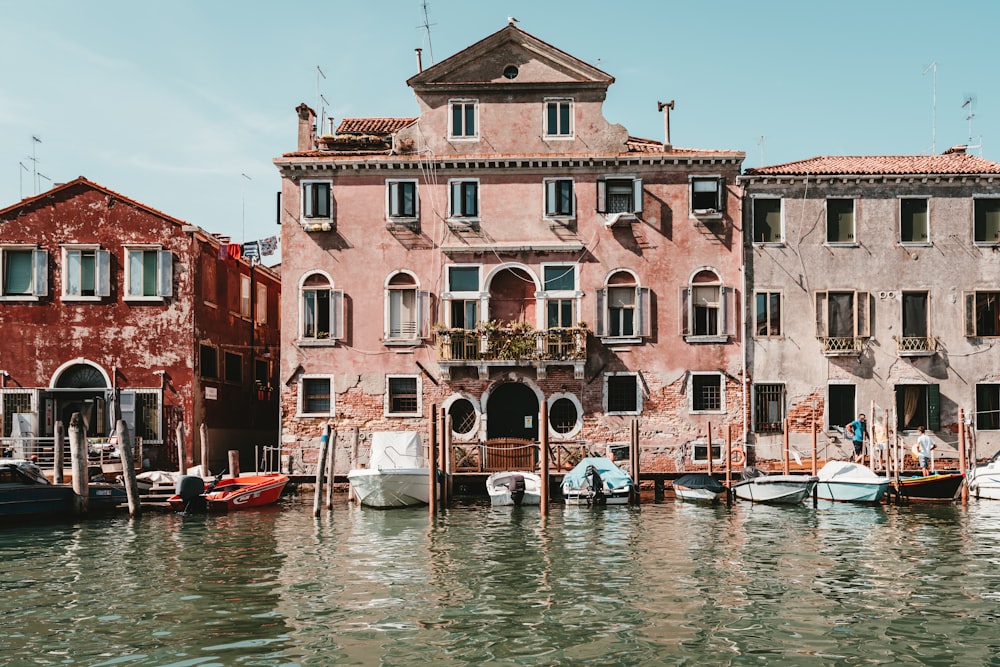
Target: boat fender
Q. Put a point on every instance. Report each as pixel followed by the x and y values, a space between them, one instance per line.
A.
pixel 190 487
pixel 738 457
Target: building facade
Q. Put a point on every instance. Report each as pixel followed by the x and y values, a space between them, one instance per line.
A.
pixel 873 288
pixel 509 245
pixel 104 300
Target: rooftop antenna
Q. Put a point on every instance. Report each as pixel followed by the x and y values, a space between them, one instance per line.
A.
pixel 322 113
pixel 970 101
pixel 933 67
pixel 426 25
pixel 319 119
pixel 34 161
pixel 760 142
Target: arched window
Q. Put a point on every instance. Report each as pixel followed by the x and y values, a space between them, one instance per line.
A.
pixel 406 309
pixel 623 310
pixel 705 308
pixel 322 309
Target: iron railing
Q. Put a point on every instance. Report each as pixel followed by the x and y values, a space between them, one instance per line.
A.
pixel 841 345
pixel 915 345
pixel 511 344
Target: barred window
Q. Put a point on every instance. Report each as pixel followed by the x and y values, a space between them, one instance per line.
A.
pixel 768 408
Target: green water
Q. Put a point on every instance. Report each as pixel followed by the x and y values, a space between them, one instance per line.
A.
pixel 665 584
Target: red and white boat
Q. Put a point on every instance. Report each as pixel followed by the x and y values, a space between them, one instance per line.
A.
pixel 227 495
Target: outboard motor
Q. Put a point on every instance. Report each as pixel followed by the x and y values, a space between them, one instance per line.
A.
pixel 191 489
pixel 517 488
pixel 596 484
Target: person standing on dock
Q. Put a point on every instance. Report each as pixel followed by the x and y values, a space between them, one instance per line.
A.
pixel 925 445
pixel 857 431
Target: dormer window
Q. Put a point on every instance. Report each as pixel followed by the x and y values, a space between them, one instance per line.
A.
pixel 707 196
pixel 464 116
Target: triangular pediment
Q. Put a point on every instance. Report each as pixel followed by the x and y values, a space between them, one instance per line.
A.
pixel 510 57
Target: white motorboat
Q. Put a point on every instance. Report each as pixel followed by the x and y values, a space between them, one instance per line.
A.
pixel 514 488
pixel 698 486
pixel 596 480
pixel 984 480
pixel 850 482
pixel 396 474
pixel 759 487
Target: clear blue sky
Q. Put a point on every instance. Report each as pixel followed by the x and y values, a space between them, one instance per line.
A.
pixel 172 103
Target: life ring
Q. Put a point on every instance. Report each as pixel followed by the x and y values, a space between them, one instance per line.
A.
pixel 738 457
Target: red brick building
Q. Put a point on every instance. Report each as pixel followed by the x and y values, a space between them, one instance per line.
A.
pixel 506 246
pixel 101 296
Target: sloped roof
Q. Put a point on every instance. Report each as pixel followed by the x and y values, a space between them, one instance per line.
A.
pixel 881 165
pixel 375 126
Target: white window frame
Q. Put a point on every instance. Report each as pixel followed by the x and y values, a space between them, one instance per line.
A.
pixel 337 325
pixel 926 198
pixel 755 407
pixel 550 187
pixel 970 298
pixel 421 308
pixel 260 307
pixel 246 310
pixel 638 393
pixel 976 198
pixel 976 404
pixel 306 186
pixel 578 426
pixel 39 272
pixel 450 296
pixel 164 272
pixel 561 133
pixel 854 223
pixel 102 272
pixel 703 443
pixel 392 200
pixel 642 319
pixel 387 406
pixel 862 313
pixel 712 212
pixel 602 196
pixel 770 316
pixel 463 217
pixel 300 409
pixel 575 294
pixel 464 102
pixel 781 216
pixel 725 313
pixel 722 393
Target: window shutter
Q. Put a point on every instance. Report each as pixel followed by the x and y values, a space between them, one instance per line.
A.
pixel 970 314
pixel 685 317
pixel 337 313
pixel 724 293
pixel 387 316
pixel 934 407
pixel 127 406
pixel 602 196
pixel 102 279
pixel 423 314
pixel 166 269
pixel 40 264
pixel 393 194
pixel 644 308
pixel 863 304
pixel 720 195
pixel 821 323
pixel 637 195
pixel 551 195
pixel 600 301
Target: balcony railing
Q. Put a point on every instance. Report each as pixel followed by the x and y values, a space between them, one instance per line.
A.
pixel 915 346
pixel 841 346
pixel 514 343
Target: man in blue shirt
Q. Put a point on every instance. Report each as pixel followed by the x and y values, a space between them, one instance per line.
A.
pixel 857 431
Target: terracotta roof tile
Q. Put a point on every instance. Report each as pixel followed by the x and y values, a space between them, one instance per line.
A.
pixel 951 162
pixel 373 125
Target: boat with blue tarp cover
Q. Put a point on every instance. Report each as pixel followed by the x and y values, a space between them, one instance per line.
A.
pixel 597 480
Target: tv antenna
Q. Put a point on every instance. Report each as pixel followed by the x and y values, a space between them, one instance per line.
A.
pixel 426 25
pixel 760 142
pixel 970 102
pixel 34 161
pixel 319 119
pixel 933 67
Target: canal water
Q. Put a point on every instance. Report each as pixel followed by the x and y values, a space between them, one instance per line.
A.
pixel 665 584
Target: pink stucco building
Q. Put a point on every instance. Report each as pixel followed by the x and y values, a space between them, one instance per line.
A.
pixel 510 245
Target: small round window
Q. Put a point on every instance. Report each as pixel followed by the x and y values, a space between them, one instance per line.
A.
pixel 563 416
pixel 463 416
pixel 510 71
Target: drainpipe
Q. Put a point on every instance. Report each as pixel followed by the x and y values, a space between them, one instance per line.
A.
pixel 743 337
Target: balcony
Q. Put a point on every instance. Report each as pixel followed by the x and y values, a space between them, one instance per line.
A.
pixel 517 344
pixel 915 346
pixel 841 346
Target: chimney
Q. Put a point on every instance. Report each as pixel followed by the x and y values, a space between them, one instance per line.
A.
pixel 420 61
pixel 307 127
pixel 660 106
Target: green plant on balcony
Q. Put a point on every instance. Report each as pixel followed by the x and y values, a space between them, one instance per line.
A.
pixel 509 341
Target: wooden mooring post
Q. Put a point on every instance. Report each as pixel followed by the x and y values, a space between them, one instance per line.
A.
pixel 432 462
pixel 203 432
pixel 181 450
pixel 234 462
pixel 324 441
pixel 127 455
pixel 729 465
pixel 784 459
pixel 814 463
pixel 78 464
pixel 331 468
pixel 961 455
pixel 634 460
pixel 543 438
pixel 443 456
pixel 59 444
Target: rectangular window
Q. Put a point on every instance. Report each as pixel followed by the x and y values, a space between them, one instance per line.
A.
pixel 464 199
pixel 147 416
pixel 245 296
pixel 86 272
pixel 619 195
pixel 402 199
pixel 621 311
pixel 988 407
pixel 403 396
pixel 317 318
pixel 463 278
pixel 913 221
pixel 707 195
pixel 23 272
pixel 706 393
pixel 463 119
pixel 234 368
pixel 622 392
pixel 14 402
pixel 699 451
pixel 559 198
pixel 403 313
pixel 768 315
pixel 261 305
pixel 915 314
pixel 560 313
pixel 842 321
pixel 315 396
pixel 987 221
pixel 841 405
pixel 208 362
pixel 560 278
pixel 316 200
pixel 559 118
pixel 767 221
pixel 840 221
pixel 918 405
pixel 982 314
pixel 706 304
pixel 148 273
pixel 768 408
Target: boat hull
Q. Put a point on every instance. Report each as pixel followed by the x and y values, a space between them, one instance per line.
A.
pixel 238 493
pixel 985 486
pixel 498 486
pixel 390 488
pixel 776 489
pixel 930 488
pixel 700 495
pixel 700 487
pixel 852 492
pixel 587 497
pixel 31 500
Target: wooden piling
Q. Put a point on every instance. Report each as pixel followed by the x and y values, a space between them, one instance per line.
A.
pixel 634 459
pixel 543 438
pixel 432 462
pixel 784 460
pixel 78 464
pixel 203 432
pixel 443 456
pixel 234 462
pixel 59 444
pixel 127 455
pixel 331 468
pixel 729 464
pixel 814 464
pixel 449 463
pixel 324 442
pixel 181 450
pixel 710 471
pixel 961 454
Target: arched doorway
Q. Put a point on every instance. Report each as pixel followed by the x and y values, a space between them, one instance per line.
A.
pixel 512 412
pixel 82 387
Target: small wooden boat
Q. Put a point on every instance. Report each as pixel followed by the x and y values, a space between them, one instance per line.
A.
pixel 698 486
pixel 759 487
pixel 227 495
pixel 25 491
pixel 596 480
pixel 940 487
pixel 850 482
pixel 514 488
pixel 397 474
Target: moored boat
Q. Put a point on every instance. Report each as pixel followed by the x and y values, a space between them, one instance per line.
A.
pixel 514 488
pixel 227 495
pixel 698 486
pixel 397 472
pixel 596 480
pixel 939 486
pixel 850 482
pixel 984 480
pixel 25 491
pixel 759 487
